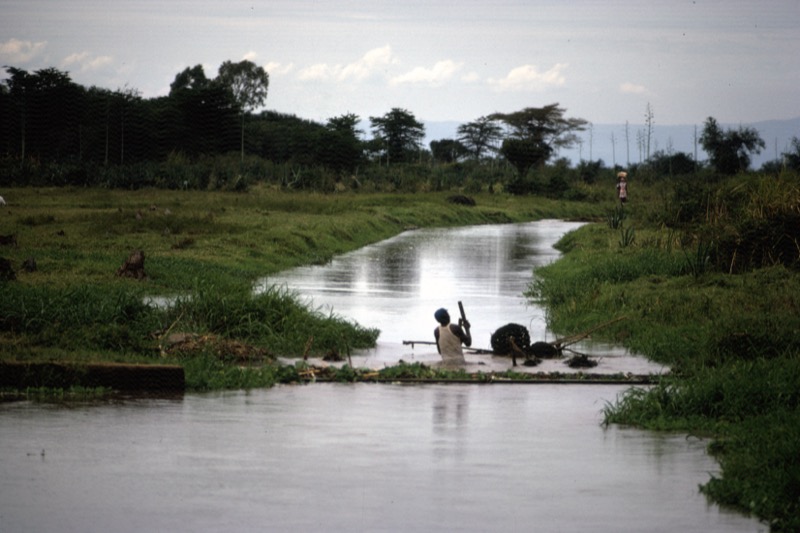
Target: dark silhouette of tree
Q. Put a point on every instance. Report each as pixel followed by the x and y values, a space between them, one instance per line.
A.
pixel 448 151
pixel 535 133
pixel 20 86
pixel 729 151
pixel 45 109
pixel 676 164
pixel 346 124
pixel 188 79
pixel 339 147
pixel 480 136
pixel 248 83
pixel 284 138
pixel 399 133
pixel 524 154
pixel 202 114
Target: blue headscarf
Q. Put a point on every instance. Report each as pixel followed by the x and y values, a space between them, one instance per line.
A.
pixel 442 316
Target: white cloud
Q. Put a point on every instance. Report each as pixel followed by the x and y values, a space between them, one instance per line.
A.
pixel 359 70
pixel 470 77
pixel 632 88
pixel 250 56
pixel 279 69
pixel 528 78
pixel 434 77
pixel 86 62
pixel 320 71
pixel 16 51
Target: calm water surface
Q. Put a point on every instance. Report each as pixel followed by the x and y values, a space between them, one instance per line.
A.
pixel 396 286
pixel 361 457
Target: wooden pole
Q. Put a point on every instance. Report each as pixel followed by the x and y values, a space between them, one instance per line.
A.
pixel 461 309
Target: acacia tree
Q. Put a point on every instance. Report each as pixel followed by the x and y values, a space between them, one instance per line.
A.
pixel 729 150
pixel 248 83
pixel 535 133
pixel 399 133
pixel 480 136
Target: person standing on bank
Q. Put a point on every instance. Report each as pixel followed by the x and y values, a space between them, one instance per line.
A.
pixel 449 337
pixel 622 187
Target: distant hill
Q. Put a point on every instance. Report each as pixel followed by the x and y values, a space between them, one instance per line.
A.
pixel 777 135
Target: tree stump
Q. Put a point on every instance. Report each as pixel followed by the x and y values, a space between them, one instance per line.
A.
pixel 133 267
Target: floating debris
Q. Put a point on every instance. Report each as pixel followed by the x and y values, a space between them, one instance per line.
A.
pixel 580 361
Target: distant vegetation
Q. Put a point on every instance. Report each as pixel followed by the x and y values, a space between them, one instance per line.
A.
pixel 204 135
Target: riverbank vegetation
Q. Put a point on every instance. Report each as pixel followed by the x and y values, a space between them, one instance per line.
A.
pixel 204 254
pixel 708 277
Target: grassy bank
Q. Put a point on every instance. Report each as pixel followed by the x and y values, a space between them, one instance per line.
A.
pixel 729 333
pixel 205 250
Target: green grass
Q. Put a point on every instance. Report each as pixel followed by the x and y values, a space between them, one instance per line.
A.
pixel 204 251
pixel 731 336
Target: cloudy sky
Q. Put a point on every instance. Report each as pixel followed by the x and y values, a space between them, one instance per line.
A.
pixel 604 61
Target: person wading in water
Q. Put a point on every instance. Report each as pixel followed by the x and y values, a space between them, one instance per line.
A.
pixel 449 337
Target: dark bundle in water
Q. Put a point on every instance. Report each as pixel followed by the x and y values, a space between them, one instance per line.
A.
pixel 501 339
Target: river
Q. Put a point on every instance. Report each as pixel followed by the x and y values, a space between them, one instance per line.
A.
pixel 369 457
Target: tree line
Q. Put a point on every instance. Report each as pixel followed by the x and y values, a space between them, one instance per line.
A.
pixel 90 134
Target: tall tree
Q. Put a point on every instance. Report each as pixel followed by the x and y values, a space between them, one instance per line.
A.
pixel 339 147
pixel 248 83
pixel 729 150
pixel 536 133
pixel 480 136
pixel 524 154
pixel 188 79
pixel 346 124
pixel 20 85
pixel 202 114
pixel 47 108
pixel 399 132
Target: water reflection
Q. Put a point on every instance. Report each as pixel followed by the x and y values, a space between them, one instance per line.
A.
pixel 450 419
pixel 356 457
pixel 397 284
